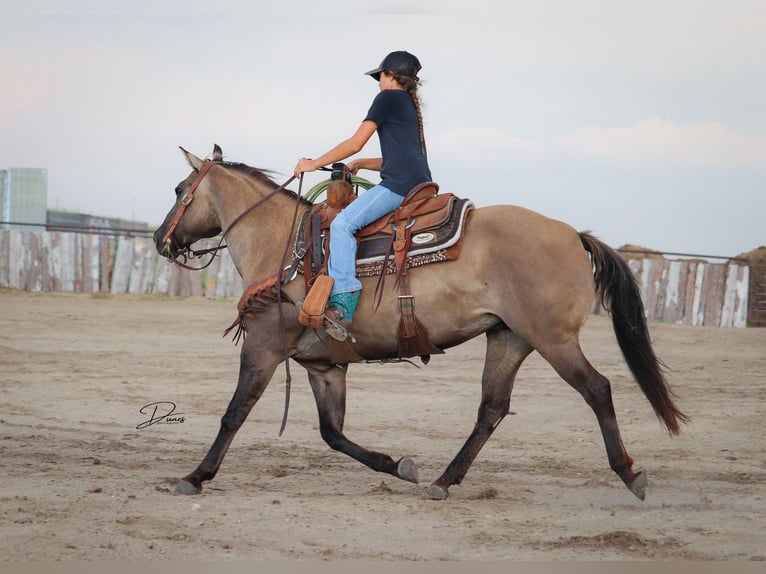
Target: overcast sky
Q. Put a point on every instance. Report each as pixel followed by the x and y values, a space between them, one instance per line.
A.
pixel 642 121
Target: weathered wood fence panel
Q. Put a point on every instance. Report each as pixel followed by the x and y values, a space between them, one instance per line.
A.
pixel 692 292
pixel 757 291
pixel 85 263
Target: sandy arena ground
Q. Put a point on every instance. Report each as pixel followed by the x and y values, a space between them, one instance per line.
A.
pixel 81 481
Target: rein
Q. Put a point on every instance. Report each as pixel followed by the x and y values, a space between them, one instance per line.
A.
pixel 188 199
pixel 177 218
pixel 288 376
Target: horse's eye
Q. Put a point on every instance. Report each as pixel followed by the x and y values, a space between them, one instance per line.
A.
pixel 179 190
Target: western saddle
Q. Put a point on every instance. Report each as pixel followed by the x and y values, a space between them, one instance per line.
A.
pixel 434 222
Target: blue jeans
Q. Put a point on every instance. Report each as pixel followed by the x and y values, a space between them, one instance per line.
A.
pixel 366 208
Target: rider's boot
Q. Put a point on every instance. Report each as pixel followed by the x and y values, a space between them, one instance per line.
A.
pixel 340 313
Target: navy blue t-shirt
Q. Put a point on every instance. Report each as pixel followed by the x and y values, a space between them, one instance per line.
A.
pixel 404 167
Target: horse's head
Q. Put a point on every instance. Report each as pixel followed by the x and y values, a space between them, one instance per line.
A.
pixel 192 216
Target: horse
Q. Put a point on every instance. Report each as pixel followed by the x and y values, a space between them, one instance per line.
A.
pixel 525 281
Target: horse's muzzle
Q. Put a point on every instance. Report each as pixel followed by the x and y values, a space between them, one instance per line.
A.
pixel 167 248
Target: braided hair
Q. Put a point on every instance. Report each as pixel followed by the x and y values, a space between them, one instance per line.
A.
pixel 410 85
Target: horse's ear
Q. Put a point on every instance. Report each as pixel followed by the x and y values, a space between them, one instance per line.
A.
pixel 194 161
pixel 217 153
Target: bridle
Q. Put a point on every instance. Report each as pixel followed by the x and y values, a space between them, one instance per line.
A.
pixel 187 199
pixel 187 252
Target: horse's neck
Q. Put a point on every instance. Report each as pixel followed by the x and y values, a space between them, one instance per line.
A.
pixel 258 241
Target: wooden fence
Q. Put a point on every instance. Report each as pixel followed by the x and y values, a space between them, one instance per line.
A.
pixel 83 263
pixel 677 291
pixel 693 292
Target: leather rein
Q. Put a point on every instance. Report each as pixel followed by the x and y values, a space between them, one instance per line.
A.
pixel 187 199
pixel 189 253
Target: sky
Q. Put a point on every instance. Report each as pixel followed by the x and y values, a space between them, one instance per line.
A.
pixel 641 121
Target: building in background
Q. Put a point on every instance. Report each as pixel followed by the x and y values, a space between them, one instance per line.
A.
pixel 86 223
pixel 24 197
pixel 24 205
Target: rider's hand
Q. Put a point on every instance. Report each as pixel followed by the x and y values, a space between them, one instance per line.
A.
pixel 353 167
pixel 304 164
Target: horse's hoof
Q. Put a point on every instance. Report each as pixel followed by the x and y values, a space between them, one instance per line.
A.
pixel 435 492
pixel 406 470
pixel 638 486
pixel 186 487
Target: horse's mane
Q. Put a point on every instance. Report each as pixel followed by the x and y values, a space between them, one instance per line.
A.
pixel 262 176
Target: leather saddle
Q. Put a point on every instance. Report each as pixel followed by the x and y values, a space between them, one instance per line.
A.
pixel 429 222
pixel 427 225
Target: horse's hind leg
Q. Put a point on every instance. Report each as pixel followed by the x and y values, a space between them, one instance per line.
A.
pixel 255 372
pixel 505 353
pixel 574 368
pixel 328 382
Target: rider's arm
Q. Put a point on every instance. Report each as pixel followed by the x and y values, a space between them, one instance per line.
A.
pixel 341 151
pixel 371 163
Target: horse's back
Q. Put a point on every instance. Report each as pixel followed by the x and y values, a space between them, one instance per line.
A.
pixel 532 270
pixel 522 223
pixel 525 239
pixel 515 267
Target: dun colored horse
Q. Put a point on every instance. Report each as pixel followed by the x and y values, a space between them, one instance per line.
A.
pixel 526 281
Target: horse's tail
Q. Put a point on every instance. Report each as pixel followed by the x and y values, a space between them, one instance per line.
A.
pixel 620 294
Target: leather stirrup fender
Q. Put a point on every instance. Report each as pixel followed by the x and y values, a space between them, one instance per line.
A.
pixel 311 313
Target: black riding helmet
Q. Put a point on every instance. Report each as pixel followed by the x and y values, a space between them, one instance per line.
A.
pixel 401 63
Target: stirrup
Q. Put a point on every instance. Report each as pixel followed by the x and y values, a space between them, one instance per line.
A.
pixel 335 327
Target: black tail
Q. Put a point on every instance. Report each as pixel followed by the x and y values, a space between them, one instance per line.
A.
pixel 621 296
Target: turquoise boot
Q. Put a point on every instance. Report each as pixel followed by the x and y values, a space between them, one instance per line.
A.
pixel 346 303
pixel 340 312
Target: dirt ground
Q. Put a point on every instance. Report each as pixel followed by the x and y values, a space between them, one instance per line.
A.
pixel 81 481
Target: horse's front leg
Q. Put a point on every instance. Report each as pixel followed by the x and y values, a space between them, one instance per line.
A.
pixel 328 382
pixel 255 371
